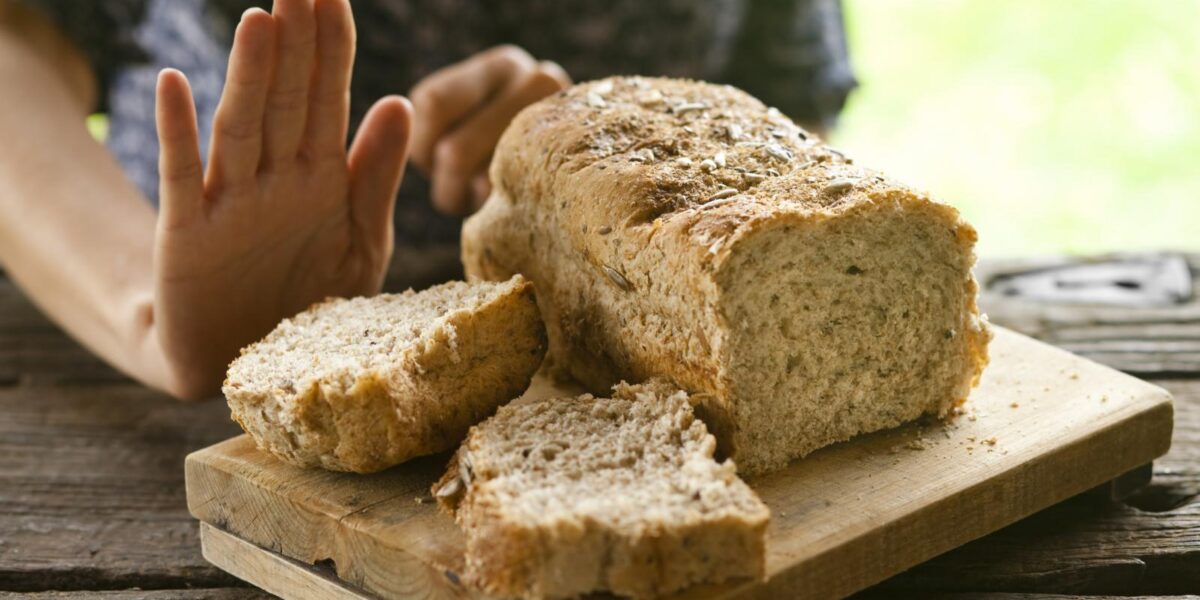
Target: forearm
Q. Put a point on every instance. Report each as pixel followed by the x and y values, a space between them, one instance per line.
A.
pixel 75 234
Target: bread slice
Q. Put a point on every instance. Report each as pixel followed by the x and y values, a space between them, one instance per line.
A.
pixel 363 384
pixel 683 229
pixel 564 496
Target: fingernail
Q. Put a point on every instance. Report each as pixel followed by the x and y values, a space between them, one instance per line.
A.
pixel 252 10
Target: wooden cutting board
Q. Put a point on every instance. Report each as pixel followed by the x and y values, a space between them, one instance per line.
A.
pixel 1042 426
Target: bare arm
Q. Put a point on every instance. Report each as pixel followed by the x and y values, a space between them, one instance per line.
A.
pixel 283 215
pixel 75 234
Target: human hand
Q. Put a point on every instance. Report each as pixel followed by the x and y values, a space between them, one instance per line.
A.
pixel 462 109
pixel 283 216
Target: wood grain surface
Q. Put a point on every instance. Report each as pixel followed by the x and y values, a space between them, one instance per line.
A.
pixel 58 443
pixel 236 593
pixel 1151 340
pixel 1043 426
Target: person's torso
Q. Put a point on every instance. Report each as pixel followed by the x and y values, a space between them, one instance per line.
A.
pixel 402 41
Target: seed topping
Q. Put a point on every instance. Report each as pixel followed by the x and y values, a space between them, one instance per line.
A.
pixel 838 186
pixel 617 278
pixel 725 193
pixel 687 107
pixel 595 100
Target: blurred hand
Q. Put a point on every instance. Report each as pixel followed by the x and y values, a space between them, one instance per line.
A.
pixel 283 216
pixel 461 111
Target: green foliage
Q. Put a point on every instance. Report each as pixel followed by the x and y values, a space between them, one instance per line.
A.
pixel 1054 125
pixel 97 125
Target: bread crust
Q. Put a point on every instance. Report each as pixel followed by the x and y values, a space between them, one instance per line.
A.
pixel 423 401
pixel 626 200
pixel 665 544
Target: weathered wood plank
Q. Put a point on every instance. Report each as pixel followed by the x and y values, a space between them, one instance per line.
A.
pixel 93 495
pixel 298 581
pixel 1019 596
pixel 243 593
pixel 1148 545
pixel 1145 340
pixel 272 571
pixel 1177 475
pixel 34 350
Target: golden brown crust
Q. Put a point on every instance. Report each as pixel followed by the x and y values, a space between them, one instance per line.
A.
pixel 422 402
pixel 559 497
pixel 625 200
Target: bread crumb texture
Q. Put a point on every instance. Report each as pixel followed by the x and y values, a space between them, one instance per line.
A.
pixel 565 496
pixel 363 384
pixel 682 229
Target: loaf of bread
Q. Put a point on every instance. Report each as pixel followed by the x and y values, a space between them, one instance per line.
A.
pixel 684 229
pixel 564 496
pixel 363 384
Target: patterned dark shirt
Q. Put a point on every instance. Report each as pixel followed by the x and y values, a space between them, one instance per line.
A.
pixel 789 53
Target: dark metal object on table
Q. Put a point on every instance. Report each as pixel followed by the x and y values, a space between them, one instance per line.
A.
pixel 1154 280
pixel 1136 313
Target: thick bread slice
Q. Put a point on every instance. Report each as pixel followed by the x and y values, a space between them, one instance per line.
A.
pixel 363 384
pixel 682 229
pixel 564 496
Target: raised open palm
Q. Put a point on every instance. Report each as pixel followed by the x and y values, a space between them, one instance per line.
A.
pixel 283 216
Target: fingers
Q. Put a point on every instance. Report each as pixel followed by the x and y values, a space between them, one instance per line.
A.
pixel 376 162
pixel 450 94
pixel 329 102
pixel 287 101
pixel 481 188
pixel 237 125
pixel 180 174
pixel 463 153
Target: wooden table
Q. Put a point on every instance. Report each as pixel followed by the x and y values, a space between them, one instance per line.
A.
pixel 92 497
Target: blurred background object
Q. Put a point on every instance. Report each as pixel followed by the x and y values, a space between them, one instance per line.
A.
pixel 1069 126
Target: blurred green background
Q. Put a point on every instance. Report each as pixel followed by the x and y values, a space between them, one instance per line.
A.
pixel 1054 125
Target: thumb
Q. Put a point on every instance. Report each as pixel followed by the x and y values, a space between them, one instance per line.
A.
pixel 376 163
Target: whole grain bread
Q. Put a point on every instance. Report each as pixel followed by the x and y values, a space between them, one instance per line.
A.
pixel 684 229
pixel 563 496
pixel 366 383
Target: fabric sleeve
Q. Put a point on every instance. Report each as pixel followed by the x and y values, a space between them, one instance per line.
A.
pixel 792 55
pixel 103 30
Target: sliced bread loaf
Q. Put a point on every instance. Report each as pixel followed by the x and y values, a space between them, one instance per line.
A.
pixel 683 229
pixel 363 384
pixel 564 496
